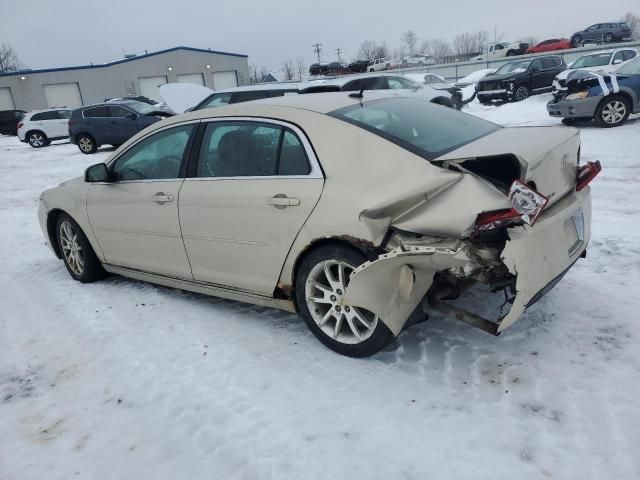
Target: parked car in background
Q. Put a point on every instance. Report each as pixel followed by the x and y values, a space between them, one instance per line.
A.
pixel 140 98
pixel 603 32
pixel 609 98
pixel 318 69
pixel 474 77
pixel 40 127
pixel 9 120
pixel 517 80
pixel 432 78
pixel 606 61
pixel 359 66
pixel 439 83
pixel 418 60
pixel 551 45
pixel 337 67
pixel 248 93
pixel 386 81
pixel 398 204
pixel 110 123
pixel 379 64
pixel 500 50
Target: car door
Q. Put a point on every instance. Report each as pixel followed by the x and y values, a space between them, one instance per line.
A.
pixel 537 75
pixel 135 215
pixel 254 184
pixel 61 123
pixel 591 33
pixel 123 124
pixel 97 123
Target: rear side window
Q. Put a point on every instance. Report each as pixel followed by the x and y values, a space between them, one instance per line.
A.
pixel 217 100
pixel 250 149
pixel 96 112
pixel 64 114
pixel 423 128
pixel 53 115
pixel 549 63
pixel 240 97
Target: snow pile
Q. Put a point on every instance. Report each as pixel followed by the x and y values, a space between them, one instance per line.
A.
pixel 122 379
pixel 474 77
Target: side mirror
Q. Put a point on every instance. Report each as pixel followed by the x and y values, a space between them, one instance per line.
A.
pixel 617 61
pixel 96 173
pixel 130 116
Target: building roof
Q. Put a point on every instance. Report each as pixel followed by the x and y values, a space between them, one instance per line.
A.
pixel 125 60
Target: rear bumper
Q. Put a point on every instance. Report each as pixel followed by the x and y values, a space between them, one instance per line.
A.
pixel 583 108
pixel 537 256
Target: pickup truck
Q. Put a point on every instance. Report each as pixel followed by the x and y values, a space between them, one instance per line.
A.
pixel 502 49
pixel 379 64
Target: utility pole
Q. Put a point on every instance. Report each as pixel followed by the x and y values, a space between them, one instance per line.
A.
pixel 317 49
pixel 338 52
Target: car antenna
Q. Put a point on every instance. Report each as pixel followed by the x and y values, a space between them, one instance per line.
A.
pixel 357 95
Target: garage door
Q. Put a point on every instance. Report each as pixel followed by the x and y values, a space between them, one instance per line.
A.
pixel 6 100
pixel 195 78
pixel 225 80
pixel 63 95
pixel 149 87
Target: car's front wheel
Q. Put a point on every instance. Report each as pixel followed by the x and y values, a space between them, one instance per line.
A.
pixel 576 40
pixel 38 139
pixel 87 144
pixel 321 281
pixel 77 253
pixel 608 38
pixel 613 111
pixel 521 93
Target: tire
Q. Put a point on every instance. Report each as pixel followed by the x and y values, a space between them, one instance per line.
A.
pixel 371 70
pixel 521 93
pixel 37 139
pixel 608 38
pixel 86 144
pixel 576 39
pixel 374 334
pixel 77 254
pixel 511 53
pixel 570 122
pixel 613 111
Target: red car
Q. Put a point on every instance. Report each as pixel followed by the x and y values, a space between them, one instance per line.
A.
pixel 551 45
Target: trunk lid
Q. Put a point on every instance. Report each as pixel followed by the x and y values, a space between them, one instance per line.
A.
pixel 545 158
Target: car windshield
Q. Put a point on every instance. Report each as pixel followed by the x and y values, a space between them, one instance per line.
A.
pixel 139 107
pixel 595 60
pixel 423 128
pixel 514 67
pixel 631 68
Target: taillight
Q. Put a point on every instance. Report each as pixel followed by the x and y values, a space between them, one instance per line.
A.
pixel 20 125
pixel 496 218
pixel 587 173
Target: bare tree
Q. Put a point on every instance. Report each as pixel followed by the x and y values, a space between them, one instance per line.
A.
pixel 301 68
pixel 382 51
pixel 633 21
pixel 263 73
pixel 440 48
pixel 425 47
pixel 468 43
pixel 9 61
pixel 367 50
pixel 410 41
pixel 288 69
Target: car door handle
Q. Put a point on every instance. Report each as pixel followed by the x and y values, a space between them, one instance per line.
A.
pixel 161 198
pixel 282 201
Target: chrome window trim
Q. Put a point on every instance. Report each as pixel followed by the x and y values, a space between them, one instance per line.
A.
pixel 316 170
pixel 100 106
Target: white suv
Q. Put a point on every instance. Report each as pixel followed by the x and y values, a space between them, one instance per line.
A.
pixel 40 127
pixel 379 64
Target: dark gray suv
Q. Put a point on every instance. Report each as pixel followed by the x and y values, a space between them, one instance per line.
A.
pixel 110 123
pixel 603 32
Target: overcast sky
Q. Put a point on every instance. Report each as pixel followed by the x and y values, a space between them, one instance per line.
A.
pixel 56 33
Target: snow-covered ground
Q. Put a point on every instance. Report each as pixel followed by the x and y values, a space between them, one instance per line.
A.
pixel 122 379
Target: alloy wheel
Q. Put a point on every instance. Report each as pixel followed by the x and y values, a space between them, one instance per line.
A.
pixel 521 94
pixel 324 290
pixel 71 248
pixel 613 112
pixel 36 140
pixel 85 144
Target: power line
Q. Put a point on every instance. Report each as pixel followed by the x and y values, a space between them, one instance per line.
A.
pixel 317 49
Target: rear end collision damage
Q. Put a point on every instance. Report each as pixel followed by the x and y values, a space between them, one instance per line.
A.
pixel 516 240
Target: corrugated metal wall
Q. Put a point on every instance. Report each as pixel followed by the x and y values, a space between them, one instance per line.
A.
pixel 118 80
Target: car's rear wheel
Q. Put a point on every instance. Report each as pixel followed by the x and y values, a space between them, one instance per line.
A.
pixel 38 139
pixel 78 255
pixel 613 111
pixel 521 93
pixel 87 144
pixel 321 281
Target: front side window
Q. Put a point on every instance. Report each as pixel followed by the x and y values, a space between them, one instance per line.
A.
pixel 159 156
pixel 97 112
pixel 423 128
pixel 120 112
pixel 629 54
pixel 250 149
pixel 596 60
pixel 240 97
pixel 631 68
pixel 64 114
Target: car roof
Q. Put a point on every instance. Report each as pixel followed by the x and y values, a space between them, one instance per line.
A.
pixel 49 110
pixel 262 86
pixel 340 81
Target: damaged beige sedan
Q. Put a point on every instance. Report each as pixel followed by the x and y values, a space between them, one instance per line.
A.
pixel 357 211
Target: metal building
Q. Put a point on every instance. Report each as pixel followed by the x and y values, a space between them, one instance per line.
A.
pixel 140 75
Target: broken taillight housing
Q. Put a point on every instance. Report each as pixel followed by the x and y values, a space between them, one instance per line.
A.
pixel 527 206
pixel 587 173
pixel 20 125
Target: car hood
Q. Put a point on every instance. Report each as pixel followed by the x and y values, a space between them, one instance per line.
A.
pixel 495 77
pixel 565 73
pixel 72 181
pixel 181 96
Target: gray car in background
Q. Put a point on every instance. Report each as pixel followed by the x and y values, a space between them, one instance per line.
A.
pixel 603 32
